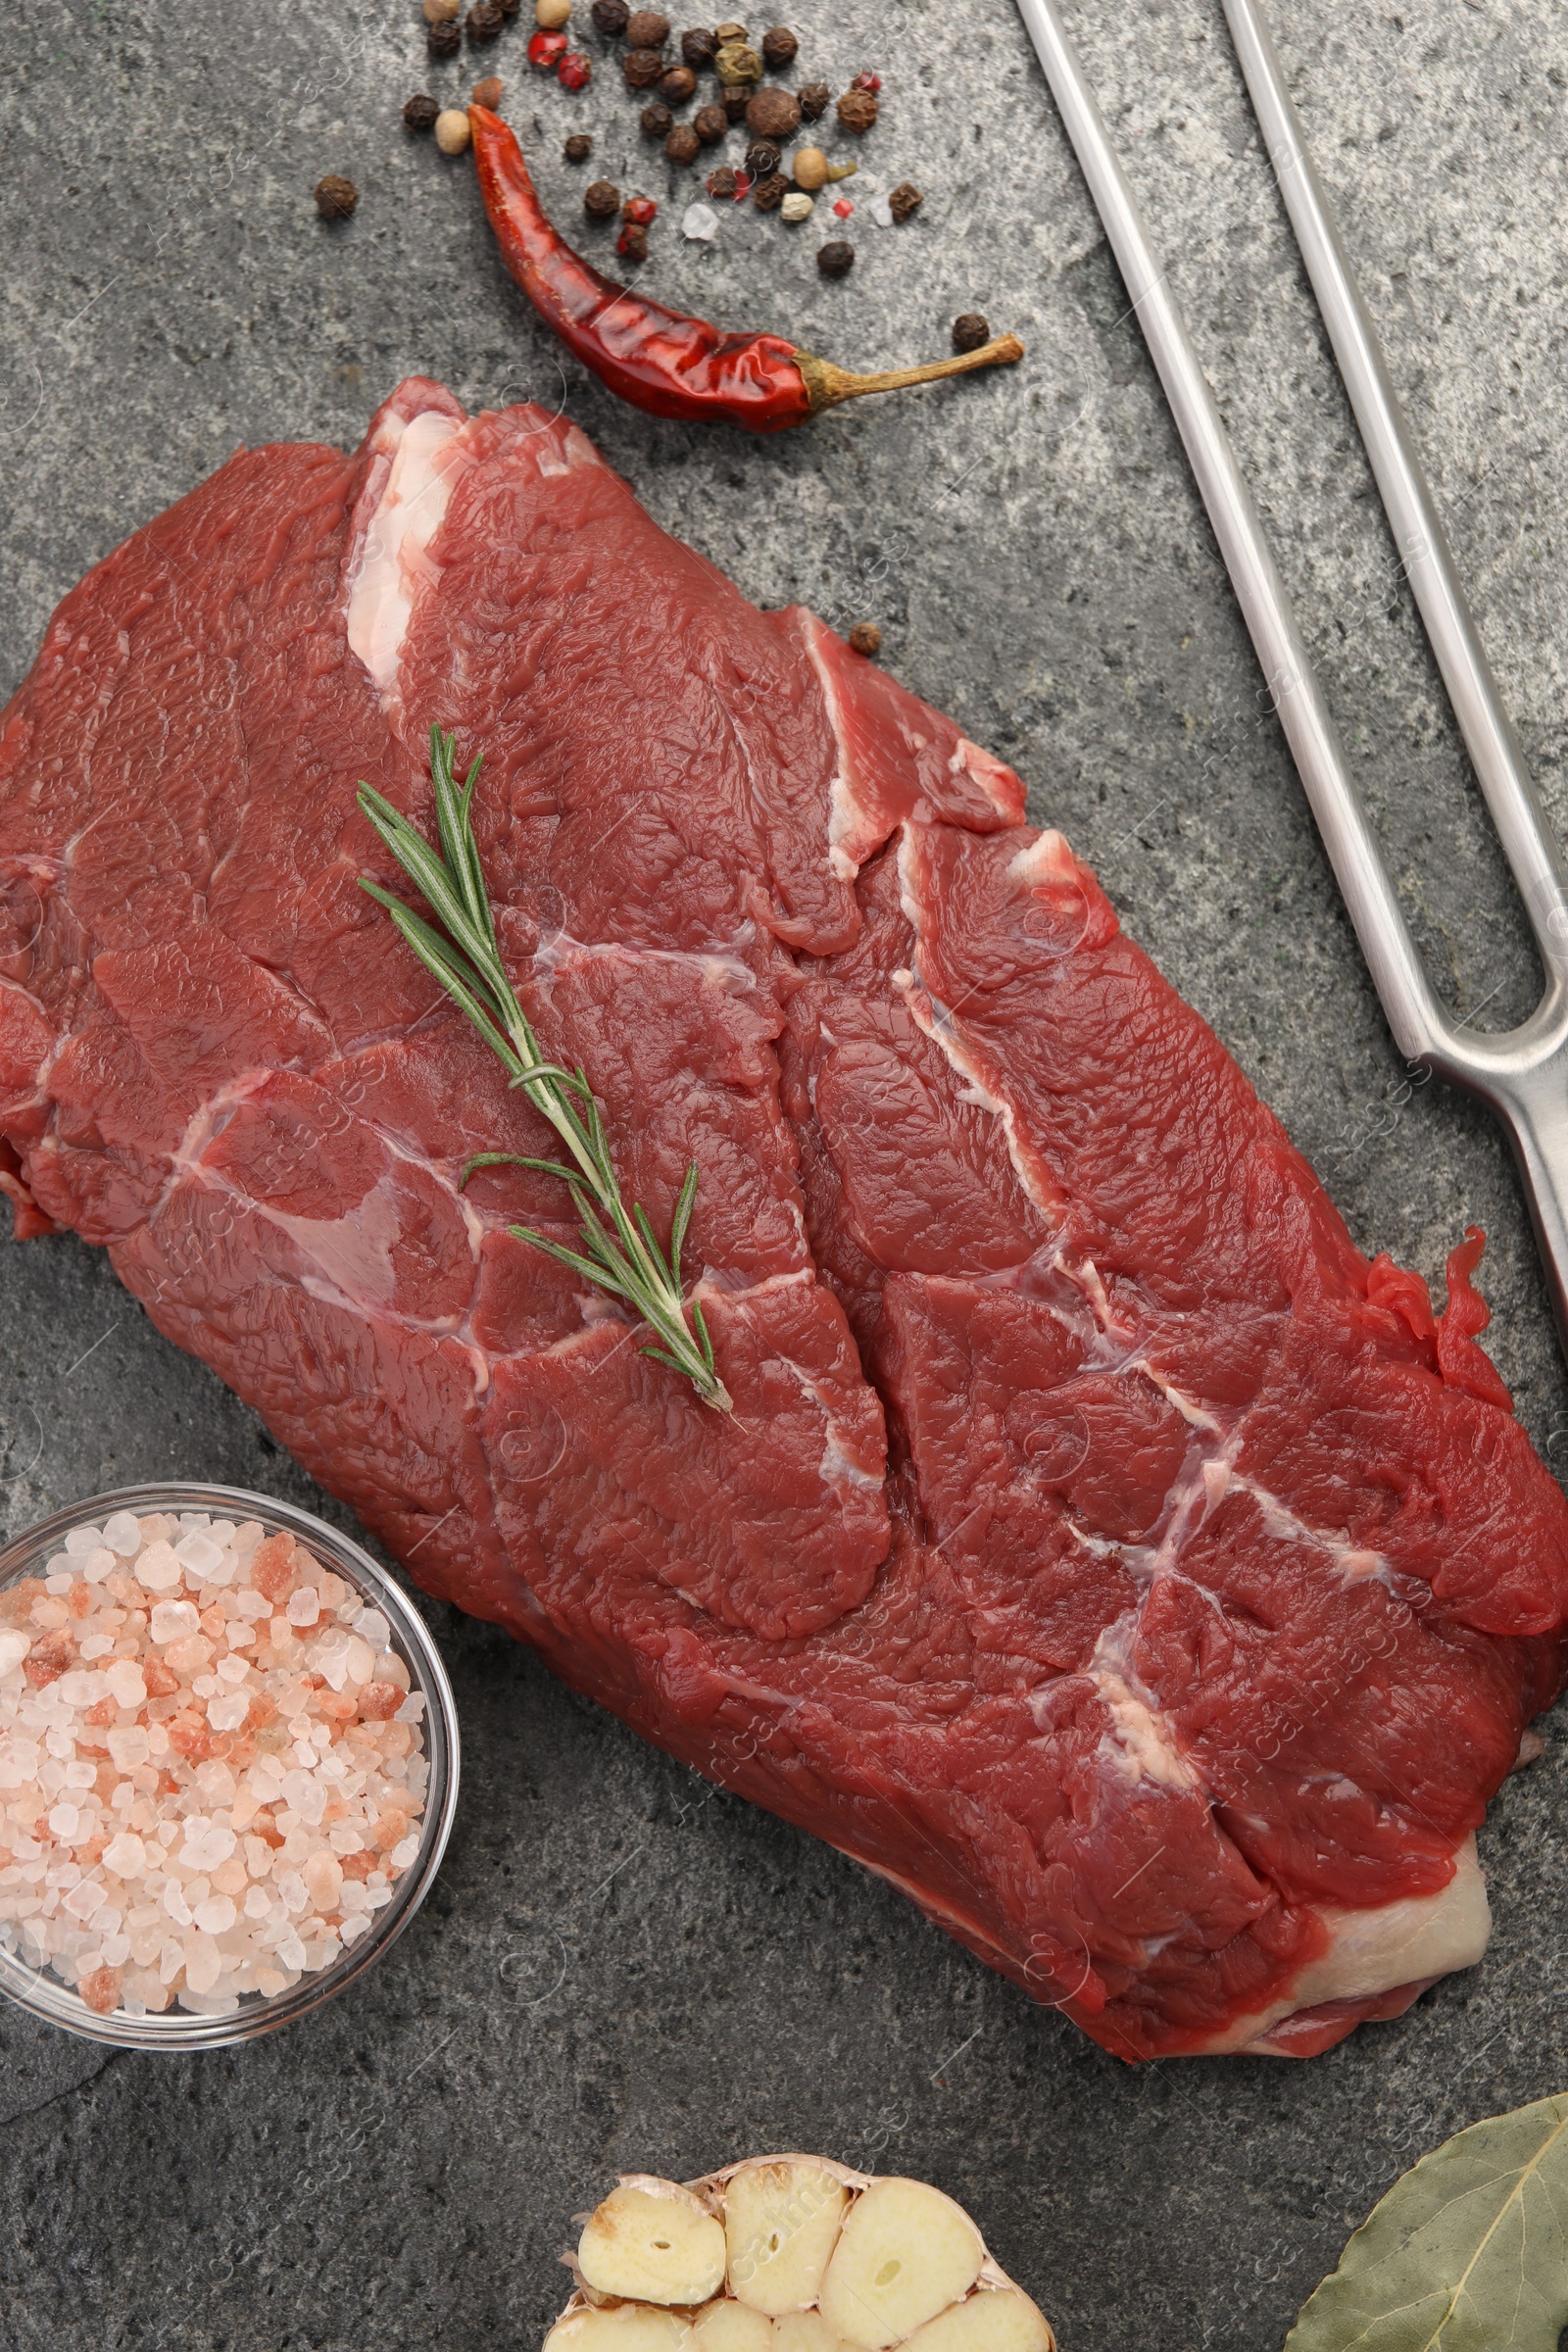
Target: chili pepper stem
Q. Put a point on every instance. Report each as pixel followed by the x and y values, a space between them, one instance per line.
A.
pixel 828 385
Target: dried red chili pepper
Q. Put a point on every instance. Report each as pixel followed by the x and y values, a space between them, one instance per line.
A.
pixel 661 359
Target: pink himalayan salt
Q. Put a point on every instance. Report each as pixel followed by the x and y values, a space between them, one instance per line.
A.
pixel 204 1796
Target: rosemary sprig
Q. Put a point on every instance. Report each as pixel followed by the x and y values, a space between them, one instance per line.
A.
pixel 620 1251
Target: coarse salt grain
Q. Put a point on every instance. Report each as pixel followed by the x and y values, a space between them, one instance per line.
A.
pixel 197 1551
pixel 221 1726
pixel 158 1569
pixel 127 1685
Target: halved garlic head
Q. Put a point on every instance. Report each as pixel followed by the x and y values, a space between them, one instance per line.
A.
pixel 790 2254
pixel 654 2242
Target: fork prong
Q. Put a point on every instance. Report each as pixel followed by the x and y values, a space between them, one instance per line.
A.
pixel 1413 1013
pixel 1427 561
pixel 1524 1074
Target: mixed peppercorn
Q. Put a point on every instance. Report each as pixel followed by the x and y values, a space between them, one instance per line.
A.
pixel 658 359
pixel 668 69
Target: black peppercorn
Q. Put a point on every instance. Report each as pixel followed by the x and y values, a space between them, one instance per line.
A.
pixel 774 114
pixel 858 111
pixel 655 120
pixel 682 144
pixel 609 18
pixel 836 259
pixel 721 183
pixel 970 330
pixel 645 28
pixel 710 124
pixel 335 197
pixel 421 112
pixel 735 102
pixel 485 22
pixel 678 85
pixel 632 242
pixel 778 48
pixel 642 68
pixel 770 192
pixel 815 99
pixel 905 200
pixel 444 39
pixel 865 638
pixel 698 48
pixel 761 159
pixel 599 200
pixel 578 147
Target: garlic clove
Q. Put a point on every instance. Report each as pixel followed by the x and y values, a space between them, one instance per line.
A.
pixel 628 2327
pixel 803 2331
pixel 995 2319
pixel 781 2223
pixel 726 2327
pixel 655 2243
pixel 904 2253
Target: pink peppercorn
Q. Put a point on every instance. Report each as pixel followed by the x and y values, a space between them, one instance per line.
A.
pixel 870 83
pixel 575 72
pixel 547 49
pixel 639 211
pixel 844 207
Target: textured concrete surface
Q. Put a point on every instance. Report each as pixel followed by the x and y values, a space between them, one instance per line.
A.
pixel 620 1967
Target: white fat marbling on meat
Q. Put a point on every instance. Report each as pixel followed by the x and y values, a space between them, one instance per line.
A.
pixel 844 816
pixel 995 779
pixel 1421 1936
pixel 837 1467
pixel 1047 858
pixel 1190 1412
pixel 1353 1563
pixel 558 454
pixel 391 561
pixel 1375 1949
pixel 931 1016
pixel 720 967
pixel 1140 1746
pixel 352 1253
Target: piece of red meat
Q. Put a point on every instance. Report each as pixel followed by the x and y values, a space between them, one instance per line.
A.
pixel 1100 1549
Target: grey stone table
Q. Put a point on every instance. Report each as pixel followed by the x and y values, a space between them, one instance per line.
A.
pixel 620 1967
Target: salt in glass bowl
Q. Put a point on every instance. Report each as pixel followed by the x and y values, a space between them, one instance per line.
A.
pixel 45 1994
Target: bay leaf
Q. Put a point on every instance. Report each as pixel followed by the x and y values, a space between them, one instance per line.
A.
pixel 1467 2253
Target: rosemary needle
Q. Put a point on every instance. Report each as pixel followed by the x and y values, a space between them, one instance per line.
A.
pixel 620 1251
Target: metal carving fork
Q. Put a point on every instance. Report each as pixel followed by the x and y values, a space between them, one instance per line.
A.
pixel 1524 1074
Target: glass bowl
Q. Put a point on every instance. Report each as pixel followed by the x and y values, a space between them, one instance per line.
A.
pixel 46 1995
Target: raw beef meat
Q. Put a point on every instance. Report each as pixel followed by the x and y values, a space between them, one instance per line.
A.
pixel 1101 1548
